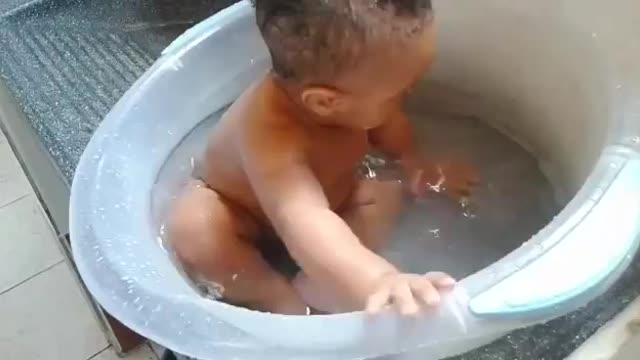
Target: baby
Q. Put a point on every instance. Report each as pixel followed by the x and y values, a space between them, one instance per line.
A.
pixel 283 160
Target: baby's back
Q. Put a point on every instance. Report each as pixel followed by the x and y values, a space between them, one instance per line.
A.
pixel 331 153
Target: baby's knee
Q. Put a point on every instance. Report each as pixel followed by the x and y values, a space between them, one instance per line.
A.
pixel 190 230
pixel 187 216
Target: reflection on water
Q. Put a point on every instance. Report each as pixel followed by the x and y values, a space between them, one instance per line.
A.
pixel 513 201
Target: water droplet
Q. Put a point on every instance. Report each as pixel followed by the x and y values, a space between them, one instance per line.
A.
pixel 468 214
pixel 594 35
pixel 466 208
pixel 619 86
pixel 136 300
pixel 435 232
pixel 635 139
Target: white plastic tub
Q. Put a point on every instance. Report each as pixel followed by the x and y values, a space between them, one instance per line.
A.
pixel 559 76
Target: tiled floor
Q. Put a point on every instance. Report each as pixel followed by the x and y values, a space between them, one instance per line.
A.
pixel 617 340
pixel 43 312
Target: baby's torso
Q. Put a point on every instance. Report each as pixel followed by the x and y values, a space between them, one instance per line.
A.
pixel 333 155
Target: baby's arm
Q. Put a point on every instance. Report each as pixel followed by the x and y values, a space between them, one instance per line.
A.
pixel 318 239
pixel 395 138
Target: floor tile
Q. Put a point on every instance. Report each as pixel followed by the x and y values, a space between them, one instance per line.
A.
pixel 142 353
pixel 630 350
pixel 13 182
pixel 619 339
pixel 27 242
pixel 47 318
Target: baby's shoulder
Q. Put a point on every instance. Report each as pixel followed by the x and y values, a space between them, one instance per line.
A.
pixel 264 122
pixel 273 125
pixel 275 129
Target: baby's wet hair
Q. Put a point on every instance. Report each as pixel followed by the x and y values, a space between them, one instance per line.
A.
pixel 315 40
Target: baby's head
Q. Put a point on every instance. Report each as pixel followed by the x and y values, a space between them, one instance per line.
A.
pixel 350 61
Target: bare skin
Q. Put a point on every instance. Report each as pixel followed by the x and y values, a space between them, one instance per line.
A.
pixel 283 157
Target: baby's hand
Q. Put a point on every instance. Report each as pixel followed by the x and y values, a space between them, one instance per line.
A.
pixel 456 179
pixel 407 292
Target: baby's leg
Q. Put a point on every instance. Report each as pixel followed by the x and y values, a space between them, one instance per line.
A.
pixel 371 214
pixel 373 210
pixel 214 242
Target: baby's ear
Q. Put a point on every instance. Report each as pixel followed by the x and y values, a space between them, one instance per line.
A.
pixel 323 101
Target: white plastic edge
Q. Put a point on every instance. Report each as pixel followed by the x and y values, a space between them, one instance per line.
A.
pixel 602 243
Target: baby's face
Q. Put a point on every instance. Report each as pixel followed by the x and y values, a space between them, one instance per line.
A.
pixel 379 86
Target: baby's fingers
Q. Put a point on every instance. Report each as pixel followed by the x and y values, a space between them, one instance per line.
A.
pixel 440 279
pixel 423 289
pixel 404 300
pixel 471 177
pixel 462 191
pixel 473 181
pixel 457 192
pixel 378 300
pixel 416 186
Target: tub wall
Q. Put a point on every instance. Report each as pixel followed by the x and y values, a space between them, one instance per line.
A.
pixel 532 73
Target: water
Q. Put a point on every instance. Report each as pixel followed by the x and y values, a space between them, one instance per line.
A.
pixel 513 201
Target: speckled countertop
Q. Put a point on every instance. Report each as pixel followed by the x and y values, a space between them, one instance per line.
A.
pixel 68 62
